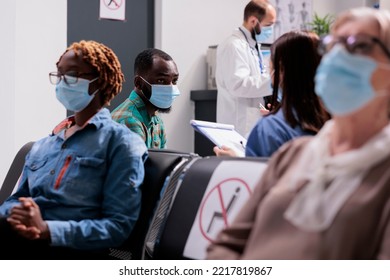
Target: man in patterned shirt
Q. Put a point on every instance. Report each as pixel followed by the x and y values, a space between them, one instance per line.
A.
pixel 154 90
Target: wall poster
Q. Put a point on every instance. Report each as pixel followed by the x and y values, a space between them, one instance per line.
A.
pixel 291 15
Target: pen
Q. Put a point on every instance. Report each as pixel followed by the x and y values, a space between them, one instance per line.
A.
pixel 262 107
pixel 242 144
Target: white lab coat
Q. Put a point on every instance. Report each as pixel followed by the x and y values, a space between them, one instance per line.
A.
pixel 240 84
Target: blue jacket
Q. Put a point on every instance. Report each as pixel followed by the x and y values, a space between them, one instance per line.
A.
pixel 269 133
pixel 87 186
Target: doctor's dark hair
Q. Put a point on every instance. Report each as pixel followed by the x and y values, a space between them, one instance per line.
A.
pixel 106 65
pixel 255 8
pixel 295 59
pixel 144 60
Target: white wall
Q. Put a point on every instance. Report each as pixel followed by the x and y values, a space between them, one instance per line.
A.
pixel 385 4
pixel 33 37
pixel 185 29
pixel 7 87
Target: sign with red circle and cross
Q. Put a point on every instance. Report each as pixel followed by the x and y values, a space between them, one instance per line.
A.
pixel 112 9
pixel 228 189
pixel 113 4
pixel 228 194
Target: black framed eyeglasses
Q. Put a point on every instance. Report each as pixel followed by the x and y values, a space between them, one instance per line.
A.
pixel 69 77
pixel 356 44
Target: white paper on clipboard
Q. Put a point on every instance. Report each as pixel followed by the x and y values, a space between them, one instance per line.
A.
pixel 221 135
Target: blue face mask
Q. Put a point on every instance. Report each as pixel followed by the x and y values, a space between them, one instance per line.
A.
pixel 163 95
pixel 343 81
pixel 265 34
pixel 75 97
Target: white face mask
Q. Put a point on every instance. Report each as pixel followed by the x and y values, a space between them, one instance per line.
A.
pixel 75 97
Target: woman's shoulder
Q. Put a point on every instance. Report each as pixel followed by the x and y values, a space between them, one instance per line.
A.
pixel 294 146
pixel 128 139
pixel 120 130
pixel 273 117
pixel 271 122
pixel 289 152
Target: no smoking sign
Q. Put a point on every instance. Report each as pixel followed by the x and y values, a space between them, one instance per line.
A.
pixel 220 205
pixel 228 189
pixel 112 9
pixel 113 4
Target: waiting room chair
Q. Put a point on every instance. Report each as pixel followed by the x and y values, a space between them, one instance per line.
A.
pixel 203 201
pixel 14 172
pixel 162 166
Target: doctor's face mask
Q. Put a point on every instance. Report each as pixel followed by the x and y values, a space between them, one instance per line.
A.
pixel 266 32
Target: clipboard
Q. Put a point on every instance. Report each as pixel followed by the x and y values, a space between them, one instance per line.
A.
pixel 221 135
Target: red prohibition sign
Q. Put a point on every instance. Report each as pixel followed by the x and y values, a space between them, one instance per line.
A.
pixel 238 184
pixel 113 4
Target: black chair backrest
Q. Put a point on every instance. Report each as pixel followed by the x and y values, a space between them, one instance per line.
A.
pixel 206 198
pixel 160 165
pixel 14 172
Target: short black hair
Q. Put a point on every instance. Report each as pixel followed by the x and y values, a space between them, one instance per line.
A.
pixel 144 60
pixel 255 8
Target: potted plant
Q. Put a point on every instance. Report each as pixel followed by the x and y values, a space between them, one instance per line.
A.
pixel 321 25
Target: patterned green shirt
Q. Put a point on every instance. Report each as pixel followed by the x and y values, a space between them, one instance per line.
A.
pixel 132 113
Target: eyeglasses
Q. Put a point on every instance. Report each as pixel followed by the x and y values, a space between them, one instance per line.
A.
pixel 69 77
pixel 356 44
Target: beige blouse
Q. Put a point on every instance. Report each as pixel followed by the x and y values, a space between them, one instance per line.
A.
pixel 360 230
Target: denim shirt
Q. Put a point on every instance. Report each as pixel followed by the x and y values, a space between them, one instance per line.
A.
pixel 87 186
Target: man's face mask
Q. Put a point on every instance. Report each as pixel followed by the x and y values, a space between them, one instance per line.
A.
pixel 75 97
pixel 162 96
pixel 266 33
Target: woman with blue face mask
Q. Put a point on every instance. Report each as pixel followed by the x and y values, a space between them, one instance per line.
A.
pixel 79 191
pixel 328 196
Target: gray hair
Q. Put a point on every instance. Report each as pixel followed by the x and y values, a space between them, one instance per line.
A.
pixel 382 17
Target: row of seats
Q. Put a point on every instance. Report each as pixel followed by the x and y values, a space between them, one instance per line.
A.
pixel 186 201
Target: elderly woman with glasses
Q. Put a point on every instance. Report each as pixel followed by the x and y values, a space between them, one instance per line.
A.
pixel 79 192
pixel 328 196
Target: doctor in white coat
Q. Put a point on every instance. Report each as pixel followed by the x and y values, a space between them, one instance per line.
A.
pixel 241 72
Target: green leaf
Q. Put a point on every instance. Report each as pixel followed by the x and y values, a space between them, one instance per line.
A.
pixel 321 25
